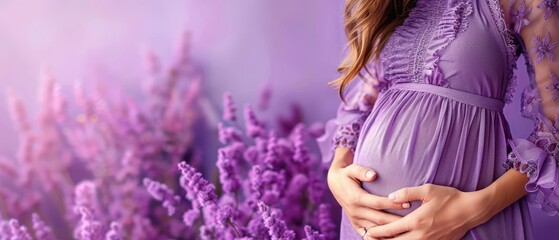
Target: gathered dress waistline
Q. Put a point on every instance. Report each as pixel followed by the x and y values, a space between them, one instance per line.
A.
pixel 458 95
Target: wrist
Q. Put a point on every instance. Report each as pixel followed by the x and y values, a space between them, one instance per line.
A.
pixel 483 206
pixel 343 157
pixel 491 198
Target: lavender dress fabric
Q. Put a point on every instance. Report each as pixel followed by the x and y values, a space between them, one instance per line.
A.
pixel 442 81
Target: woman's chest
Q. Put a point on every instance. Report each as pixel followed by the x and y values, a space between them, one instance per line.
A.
pixel 442 42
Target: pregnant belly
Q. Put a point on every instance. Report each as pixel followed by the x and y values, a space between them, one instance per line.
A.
pixel 412 138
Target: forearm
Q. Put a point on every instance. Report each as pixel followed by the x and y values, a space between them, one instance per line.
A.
pixel 342 157
pixel 501 193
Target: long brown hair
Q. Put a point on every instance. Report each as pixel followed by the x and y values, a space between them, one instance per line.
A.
pixel 367 22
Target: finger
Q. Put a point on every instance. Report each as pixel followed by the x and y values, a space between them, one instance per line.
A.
pixel 390 229
pixel 380 203
pixel 376 217
pixel 403 236
pixel 361 224
pixel 409 194
pixel 361 173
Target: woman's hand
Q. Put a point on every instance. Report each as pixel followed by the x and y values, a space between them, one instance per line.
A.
pixel 362 208
pixel 445 213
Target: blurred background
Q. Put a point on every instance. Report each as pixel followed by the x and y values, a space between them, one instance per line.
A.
pixel 291 46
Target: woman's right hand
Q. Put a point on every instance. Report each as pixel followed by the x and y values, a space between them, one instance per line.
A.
pixel 363 209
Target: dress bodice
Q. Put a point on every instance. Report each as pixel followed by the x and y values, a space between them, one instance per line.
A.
pixel 432 46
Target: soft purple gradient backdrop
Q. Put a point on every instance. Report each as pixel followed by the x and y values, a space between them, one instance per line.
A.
pixel 242 45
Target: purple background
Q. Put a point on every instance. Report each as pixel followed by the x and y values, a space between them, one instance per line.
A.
pixel 242 45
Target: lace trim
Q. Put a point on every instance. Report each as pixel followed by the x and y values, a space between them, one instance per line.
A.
pixel 348 134
pixel 528 168
pixel 405 49
pixel 510 45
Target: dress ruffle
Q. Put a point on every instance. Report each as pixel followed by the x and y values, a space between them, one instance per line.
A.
pixel 419 34
pixel 453 21
pixel 344 129
pixel 541 168
pixel 511 46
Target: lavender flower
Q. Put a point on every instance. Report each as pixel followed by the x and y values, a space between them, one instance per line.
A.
pixel 5 231
pixel 277 229
pixel 311 234
pixel 519 17
pixel 193 182
pixel 115 233
pixel 254 127
pixel 228 134
pixel 88 228
pixel 554 86
pixel 297 186
pixel 162 193
pixel 316 189
pixel 257 229
pixel 267 185
pixel 42 231
pixel 86 195
pixel 544 48
pixel 229 108
pixel 551 7
pixel 272 156
pixel 227 165
pixel 206 233
pixel 190 216
pixel 251 155
pixel 301 153
pixel 18 232
pixel 18 113
pixel 326 222
pixel 224 215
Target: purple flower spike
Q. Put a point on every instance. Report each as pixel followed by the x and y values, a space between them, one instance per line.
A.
pixel 19 232
pixel 272 156
pixel 277 229
pixel 196 186
pixel 115 233
pixel 312 235
pixel 519 17
pixel 228 134
pixel 551 7
pixel 5 230
pixel 301 153
pixel 162 193
pixel 227 164
pixel 88 227
pixel 325 221
pixel 554 86
pixel 229 108
pixel 254 127
pixel 544 48
pixel 86 194
pixel 190 216
pixel 42 231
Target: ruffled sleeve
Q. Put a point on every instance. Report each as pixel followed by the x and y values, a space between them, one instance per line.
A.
pixel 535 24
pixel 343 130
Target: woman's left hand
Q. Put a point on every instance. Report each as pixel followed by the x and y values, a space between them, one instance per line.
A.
pixel 445 213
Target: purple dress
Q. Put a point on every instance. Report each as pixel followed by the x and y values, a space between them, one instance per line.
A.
pixel 442 80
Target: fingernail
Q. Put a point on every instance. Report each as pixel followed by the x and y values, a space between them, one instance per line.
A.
pixel 392 196
pixel 406 205
pixel 370 174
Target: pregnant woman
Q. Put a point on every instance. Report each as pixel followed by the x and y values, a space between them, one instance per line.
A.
pixel 420 147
